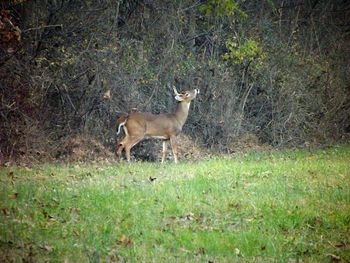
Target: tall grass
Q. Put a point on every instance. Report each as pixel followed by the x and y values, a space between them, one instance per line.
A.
pixel 281 206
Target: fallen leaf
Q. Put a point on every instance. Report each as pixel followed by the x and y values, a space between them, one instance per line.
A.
pixel 4 212
pixel 188 217
pixel 46 247
pixel 201 251
pixel 11 175
pixel 74 210
pixel 184 250
pixel 14 196
pixel 334 257
pixel 340 244
pixel 49 217
pixel 125 241
pixel 27 169
pixel 265 174
pixel 107 95
pixel 152 178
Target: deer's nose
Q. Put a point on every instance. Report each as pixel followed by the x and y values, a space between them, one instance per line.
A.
pixel 197 91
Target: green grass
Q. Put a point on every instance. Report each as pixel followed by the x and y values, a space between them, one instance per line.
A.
pixel 281 206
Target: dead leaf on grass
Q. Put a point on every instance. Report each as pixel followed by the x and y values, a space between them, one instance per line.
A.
pixel 334 257
pixel 107 95
pixel 188 217
pixel 11 175
pixel 152 178
pixel 27 169
pixel 182 249
pixel 4 212
pixel 173 218
pixel 49 217
pixel 14 196
pixel 200 251
pixel 46 247
pixel 234 205
pixel 125 241
pixel 340 244
pixel 265 174
pixel 74 210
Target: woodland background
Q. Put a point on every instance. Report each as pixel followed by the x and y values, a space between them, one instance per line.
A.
pixel 272 73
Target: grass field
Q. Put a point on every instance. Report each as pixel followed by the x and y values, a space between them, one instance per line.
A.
pixel 260 207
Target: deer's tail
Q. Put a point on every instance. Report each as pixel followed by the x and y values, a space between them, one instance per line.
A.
pixel 121 121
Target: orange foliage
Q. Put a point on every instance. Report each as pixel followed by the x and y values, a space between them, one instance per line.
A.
pixel 10 34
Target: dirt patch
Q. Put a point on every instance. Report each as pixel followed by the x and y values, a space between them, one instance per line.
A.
pixel 247 143
pixel 83 148
pixel 189 149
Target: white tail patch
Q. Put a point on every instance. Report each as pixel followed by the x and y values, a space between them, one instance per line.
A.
pixel 122 125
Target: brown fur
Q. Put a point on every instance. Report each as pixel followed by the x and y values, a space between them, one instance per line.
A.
pixel 166 126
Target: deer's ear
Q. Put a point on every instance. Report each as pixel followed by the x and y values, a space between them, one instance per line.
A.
pixel 175 90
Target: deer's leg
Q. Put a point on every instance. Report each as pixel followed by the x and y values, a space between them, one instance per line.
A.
pixel 117 146
pixel 120 147
pixel 173 143
pixel 165 142
pixel 132 141
pixel 121 144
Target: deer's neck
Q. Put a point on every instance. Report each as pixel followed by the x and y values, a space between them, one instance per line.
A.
pixel 181 112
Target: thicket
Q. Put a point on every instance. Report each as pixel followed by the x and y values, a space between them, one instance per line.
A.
pixel 274 71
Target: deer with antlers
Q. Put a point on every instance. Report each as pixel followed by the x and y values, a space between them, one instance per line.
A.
pixel 166 126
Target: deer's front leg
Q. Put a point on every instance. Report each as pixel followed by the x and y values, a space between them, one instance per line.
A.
pixel 165 142
pixel 173 142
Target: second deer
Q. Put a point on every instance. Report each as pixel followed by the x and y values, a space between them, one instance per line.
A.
pixel 166 126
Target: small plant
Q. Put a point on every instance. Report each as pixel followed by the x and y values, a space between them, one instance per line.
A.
pixel 220 8
pixel 242 53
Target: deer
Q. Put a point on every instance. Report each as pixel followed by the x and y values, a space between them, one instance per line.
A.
pixel 165 126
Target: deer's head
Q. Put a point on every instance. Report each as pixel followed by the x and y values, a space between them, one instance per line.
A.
pixel 186 96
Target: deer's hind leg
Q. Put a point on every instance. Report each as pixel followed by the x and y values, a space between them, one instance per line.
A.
pixel 131 142
pixel 120 147
pixel 121 144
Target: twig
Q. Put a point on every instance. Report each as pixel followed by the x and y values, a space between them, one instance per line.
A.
pixel 41 27
pixel 192 6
